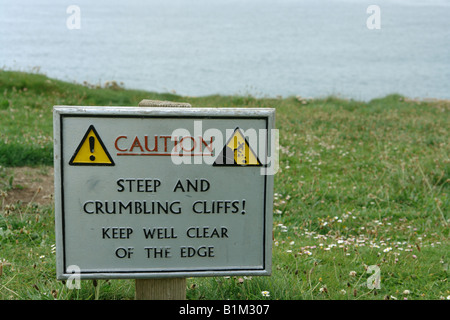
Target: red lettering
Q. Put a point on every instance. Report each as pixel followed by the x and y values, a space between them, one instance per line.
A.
pixel 117 140
pixel 165 141
pixel 136 143
pixel 156 144
pixel 210 147
pixel 193 144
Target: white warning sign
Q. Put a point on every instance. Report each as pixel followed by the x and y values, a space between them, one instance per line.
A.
pixel 163 192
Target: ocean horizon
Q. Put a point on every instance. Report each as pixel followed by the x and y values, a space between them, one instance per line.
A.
pixel 261 48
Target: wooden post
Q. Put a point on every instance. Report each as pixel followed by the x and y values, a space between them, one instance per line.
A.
pixel 161 289
pixel 159 103
pixel 164 288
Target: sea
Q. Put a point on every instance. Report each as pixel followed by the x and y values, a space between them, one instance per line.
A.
pixel 353 49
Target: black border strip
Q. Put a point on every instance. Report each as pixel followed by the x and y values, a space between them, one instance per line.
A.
pixel 63 222
pixel 185 272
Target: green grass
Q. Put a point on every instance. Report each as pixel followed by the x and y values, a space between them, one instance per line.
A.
pixel 361 184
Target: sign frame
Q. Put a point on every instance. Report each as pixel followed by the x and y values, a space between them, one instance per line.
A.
pixel 60 161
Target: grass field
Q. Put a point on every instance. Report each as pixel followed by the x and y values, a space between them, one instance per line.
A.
pixel 362 188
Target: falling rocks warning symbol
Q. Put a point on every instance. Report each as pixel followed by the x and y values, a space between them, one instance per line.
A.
pixel 237 152
pixel 91 151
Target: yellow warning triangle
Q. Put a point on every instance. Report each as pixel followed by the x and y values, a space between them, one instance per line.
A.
pixel 237 152
pixel 91 151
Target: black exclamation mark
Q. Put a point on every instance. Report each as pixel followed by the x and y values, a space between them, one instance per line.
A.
pixel 91 145
pixel 243 206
